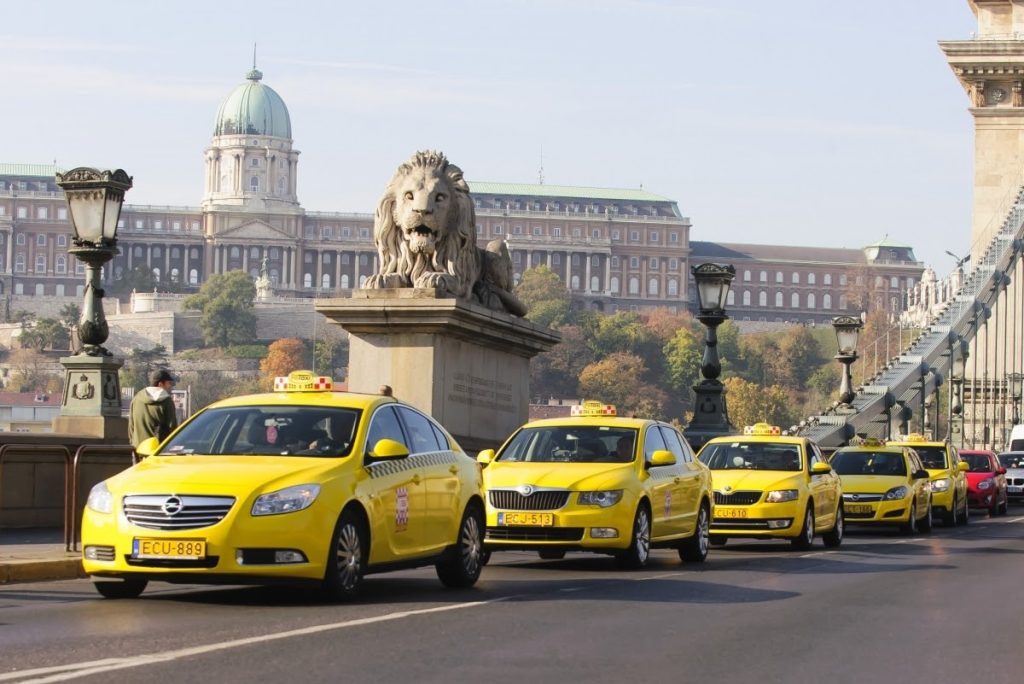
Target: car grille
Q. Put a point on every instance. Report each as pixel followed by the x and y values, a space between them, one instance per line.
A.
pixel 535 533
pixel 738 498
pixel 539 500
pixel 176 512
pixel 738 524
pixel 861 498
pixel 849 515
pixel 1016 481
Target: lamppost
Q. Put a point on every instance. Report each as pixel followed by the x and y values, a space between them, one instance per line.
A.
pixel 1015 381
pixel 956 401
pixel 847 331
pixel 92 392
pixel 710 413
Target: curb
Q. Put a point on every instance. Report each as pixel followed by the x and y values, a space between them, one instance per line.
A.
pixel 12 572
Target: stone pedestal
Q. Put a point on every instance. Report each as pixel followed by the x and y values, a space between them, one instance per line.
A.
pixel 91 404
pixel 466 365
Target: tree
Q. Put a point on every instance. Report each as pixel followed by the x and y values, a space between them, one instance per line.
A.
pixel 750 403
pixel 45 333
pixel 545 296
pixel 683 355
pixel 226 303
pixel 283 357
pixel 556 373
pixel 140 364
pixel 618 379
pixel 70 314
pixel 30 374
pixel 139 278
pixel 802 355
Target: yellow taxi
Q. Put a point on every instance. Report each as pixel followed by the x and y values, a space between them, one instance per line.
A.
pixel 948 476
pixel 772 486
pixel 302 484
pixel 884 485
pixel 597 482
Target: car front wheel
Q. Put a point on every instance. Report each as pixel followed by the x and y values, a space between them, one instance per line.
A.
pixel 346 559
pixel 635 557
pixel 463 562
pixel 695 549
pixel 805 539
pixel 834 537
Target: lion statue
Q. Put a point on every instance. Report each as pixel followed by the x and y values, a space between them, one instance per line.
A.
pixel 425 232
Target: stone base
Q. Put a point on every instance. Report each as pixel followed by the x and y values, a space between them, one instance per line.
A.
pixel 465 365
pixel 91 386
pixel 109 429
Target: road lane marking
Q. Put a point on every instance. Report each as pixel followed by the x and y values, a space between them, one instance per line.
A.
pixel 59 673
pixel 661 576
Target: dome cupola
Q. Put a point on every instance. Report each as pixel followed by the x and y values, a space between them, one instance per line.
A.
pixel 253 109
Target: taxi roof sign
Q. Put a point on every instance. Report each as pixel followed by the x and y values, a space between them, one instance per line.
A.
pixel 303 381
pixel 593 408
pixel 763 430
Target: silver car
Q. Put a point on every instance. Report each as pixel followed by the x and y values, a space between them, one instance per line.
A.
pixel 1013 461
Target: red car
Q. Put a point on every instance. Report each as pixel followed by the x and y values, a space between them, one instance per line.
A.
pixel 986 481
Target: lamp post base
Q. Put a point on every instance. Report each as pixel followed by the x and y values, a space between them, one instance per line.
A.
pixel 91 404
pixel 710 415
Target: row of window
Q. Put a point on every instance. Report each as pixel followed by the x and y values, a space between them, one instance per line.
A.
pixel 42 239
pixel 158 224
pixel 794 300
pixel 653 263
pixel 328 232
pixel 574 207
pixel 42 212
pixel 794 279
pixel 653 236
pixel 60 265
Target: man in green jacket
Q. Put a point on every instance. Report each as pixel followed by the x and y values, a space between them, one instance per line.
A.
pixel 152 412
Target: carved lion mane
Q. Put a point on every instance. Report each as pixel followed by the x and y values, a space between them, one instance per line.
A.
pixel 425 232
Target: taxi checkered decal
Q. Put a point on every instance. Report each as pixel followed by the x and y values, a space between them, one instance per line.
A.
pixel 413 462
pixel 666 472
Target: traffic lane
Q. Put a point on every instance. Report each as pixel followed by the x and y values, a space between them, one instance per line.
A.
pixel 815 614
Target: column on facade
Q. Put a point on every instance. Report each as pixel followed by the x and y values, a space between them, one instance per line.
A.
pixel 167 264
pixel 296 276
pixel 337 269
pixel 184 265
pixel 568 270
pixel 586 271
pixel 245 259
pixel 548 258
pixel 355 272
pixel 606 287
pixel 643 277
pixel 294 171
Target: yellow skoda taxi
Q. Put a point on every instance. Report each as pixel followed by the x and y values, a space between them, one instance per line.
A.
pixel 772 486
pixel 948 477
pixel 597 482
pixel 884 485
pixel 302 484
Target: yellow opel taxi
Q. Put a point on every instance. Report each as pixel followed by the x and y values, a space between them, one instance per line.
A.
pixel 772 486
pixel 948 477
pixel 597 482
pixel 884 485
pixel 302 484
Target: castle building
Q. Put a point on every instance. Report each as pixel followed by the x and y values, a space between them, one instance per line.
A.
pixel 614 248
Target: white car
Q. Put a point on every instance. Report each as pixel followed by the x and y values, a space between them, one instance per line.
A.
pixel 1013 461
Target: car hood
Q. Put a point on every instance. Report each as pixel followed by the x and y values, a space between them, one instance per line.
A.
pixel 573 476
pixel 236 475
pixel 939 473
pixel 872 484
pixel 755 479
pixel 974 478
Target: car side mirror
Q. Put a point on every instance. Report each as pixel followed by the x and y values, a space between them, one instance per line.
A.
pixel 962 466
pixel 662 457
pixel 147 447
pixel 389 448
pixel 820 468
pixel 485 457
pixel 920 474
pixel 1000 470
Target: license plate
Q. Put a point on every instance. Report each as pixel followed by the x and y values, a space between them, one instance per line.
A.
pixel 730 512
pixel 541 519
pixel 175 549
pixel 1014 489
pixel 854 508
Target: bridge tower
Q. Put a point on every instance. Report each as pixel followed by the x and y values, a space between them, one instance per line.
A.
pixel 990 67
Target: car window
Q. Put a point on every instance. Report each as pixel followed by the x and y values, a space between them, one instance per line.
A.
pixel 676 445
pixel 571 444
pixel 384 425
pixel 751 456
pixel 933 457
pixel 1012 459
pixel 653 441
pixel 442 439
pixel 868 463
pixel 421 434
pixel 977 463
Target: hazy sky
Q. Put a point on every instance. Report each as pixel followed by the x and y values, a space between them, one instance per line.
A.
pixel 803 122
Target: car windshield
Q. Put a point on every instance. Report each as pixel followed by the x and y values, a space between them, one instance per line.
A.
pixel 267 430
pixel 1012 459
pixel 571 444
pixel 868 463
pixel 751 456
pixel 932 456
pixel 977 463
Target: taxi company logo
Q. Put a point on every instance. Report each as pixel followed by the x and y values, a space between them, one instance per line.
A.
pixel 172 506
pixel 727 489
pixel 855 497
pixel 525 490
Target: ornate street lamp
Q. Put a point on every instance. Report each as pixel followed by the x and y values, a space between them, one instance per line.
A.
pixel 956 403
pixel 92 392
pixel 710 414
pixel 1015 380
pixel 847 331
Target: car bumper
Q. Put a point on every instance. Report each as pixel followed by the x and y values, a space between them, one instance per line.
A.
pixel 985 499
pixel 777 520
pixel 943 500
pixel 570 528
pixel 239 548
pixel 877 512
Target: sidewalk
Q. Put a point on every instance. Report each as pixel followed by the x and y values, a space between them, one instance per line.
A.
pixel 34 555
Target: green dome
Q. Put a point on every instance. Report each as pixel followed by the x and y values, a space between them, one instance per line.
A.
pixel 253 109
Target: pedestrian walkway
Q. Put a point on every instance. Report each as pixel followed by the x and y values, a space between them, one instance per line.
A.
pixel 34 555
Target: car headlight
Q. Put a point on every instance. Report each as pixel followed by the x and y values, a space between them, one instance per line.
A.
pixel 985 484
pixel 604 499
pixel 780 495
pixel 897 493
pixel 286 500
pixel 100 499
pixel 940 485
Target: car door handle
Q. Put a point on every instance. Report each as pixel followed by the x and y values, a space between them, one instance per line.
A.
pixel 677 480
pixel 415 479
pixel 453 469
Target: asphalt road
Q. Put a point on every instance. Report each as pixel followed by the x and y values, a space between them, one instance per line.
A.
pixel 884 607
